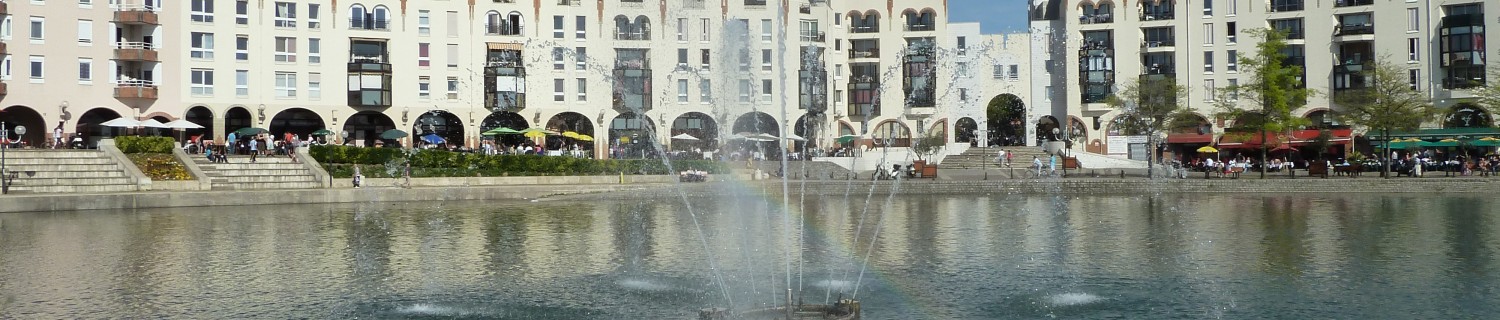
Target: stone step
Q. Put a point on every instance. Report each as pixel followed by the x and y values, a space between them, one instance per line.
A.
pixel 251 166
pixel 55 155
pixel 200 159
pixel 64 167
pixel 256 179
pixel 53 161
pixel 102 188
pixel 69 181
pixel 258 172
pixel 53 174
pixel 267 185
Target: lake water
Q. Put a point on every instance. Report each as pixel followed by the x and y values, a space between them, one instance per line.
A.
pixel 948 257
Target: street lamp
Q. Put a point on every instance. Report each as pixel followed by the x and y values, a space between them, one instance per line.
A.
pixel 5 137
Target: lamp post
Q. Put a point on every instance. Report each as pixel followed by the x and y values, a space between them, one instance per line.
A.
pixel 5 137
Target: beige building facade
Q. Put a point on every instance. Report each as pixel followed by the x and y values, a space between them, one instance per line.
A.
pixel 617 70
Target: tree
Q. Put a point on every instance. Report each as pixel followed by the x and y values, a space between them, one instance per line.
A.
pixel 1489 93
pixel 928 144
pixel 1387 103
pixel 1151 106
pixel 1274 87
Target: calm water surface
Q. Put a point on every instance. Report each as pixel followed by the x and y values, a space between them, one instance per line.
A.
pixel 960 257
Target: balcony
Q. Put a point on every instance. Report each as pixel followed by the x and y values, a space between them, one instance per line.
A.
pixel 632 90
pixel 135 51
pixel 1097 45
pixel 866 53
pixel 863 90
pixel 1159 69
pixel 819 37
pixel 755 2
pixel 139 14
pixel 1286 5
pixel 1351 3
pixel 569 2
pixel 135 89
pixel 369 24
pixel 632 36
pixel 1350 76
pixel 919 27
pixel 1096 18
pixel 1159 45
pixel 804 9
pixel 1351 30
pixel 501 29
pixel 1157 16
pixel 864 28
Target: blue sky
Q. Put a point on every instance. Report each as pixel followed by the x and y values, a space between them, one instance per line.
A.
pixel 994 16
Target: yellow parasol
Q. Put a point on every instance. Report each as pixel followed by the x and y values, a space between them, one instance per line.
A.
pixel 1208 149
pixel 570 134
pixel 535 134
pixel 584 137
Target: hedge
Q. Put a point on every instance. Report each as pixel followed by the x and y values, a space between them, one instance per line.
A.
pixel 134 144
pixel 374 162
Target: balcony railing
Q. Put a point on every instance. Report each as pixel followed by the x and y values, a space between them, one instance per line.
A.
pixel 755 2
pixel 1286 5
pixel 819 37
pixel 1097 45
pixel 1096 18
pixel 804 9
pixel 1160 69
pixel 865 28
pixel 135 89
pixel 1161 43
pixel 919 27
pixel 867 53
pixel 632 36
pixel 135 14
pixel 1154 16
pixel 1349 76
pixel 1354 29
pixel 369 24
pixel 1351 3
pixel 135 51
pixel 1463 20
pixel 501 29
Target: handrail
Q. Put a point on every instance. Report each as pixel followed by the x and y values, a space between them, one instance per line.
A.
pixel 128 82
pixel 134 7
pixel 134 45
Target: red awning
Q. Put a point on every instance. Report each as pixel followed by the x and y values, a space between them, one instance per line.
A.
pixel 1189 138
pixel 1298 138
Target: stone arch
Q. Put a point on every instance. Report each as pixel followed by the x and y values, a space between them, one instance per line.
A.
pixel 964 129
pixel 1006 122
pixel 444 124
pixel 89 124
pixel 1077 131
pixel 631 133
pixel 939 128
pixel 201 115
pixel 1044 126
pixel 891 133
pixel 1467 115
pixel 757 122
pixel 364 128
pixel 36 125
pixel 1203 127
pixel 808 126
pixel 237 117
pixel 1086 5
pixel 505 119
pixel 161 117
pixel 298 121
pixel 575 122
pixel 698 125
pixel 1319 118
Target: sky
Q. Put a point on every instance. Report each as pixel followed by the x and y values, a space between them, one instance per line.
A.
pixel 994 16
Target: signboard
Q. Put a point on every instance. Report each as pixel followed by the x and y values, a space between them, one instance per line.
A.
pixel 1120 145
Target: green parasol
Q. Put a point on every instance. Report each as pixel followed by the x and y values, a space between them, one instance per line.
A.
pixel 393 134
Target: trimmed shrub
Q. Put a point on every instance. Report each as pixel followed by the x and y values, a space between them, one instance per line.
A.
pixel 340 162
pixel 132 144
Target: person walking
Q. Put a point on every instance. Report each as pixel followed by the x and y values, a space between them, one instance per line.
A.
pixel 253 149
pixel 1000 158
pixel 229 145
pixel 1037 163
pixel 57 136
pixel 1052 165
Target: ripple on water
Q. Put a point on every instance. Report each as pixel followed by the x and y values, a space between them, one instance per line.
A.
pixel 1072 299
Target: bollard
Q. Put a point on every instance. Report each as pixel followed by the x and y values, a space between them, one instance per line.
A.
pixel 622 177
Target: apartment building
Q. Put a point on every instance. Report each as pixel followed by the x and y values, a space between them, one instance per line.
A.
pixel 1196 43
pixel 616 70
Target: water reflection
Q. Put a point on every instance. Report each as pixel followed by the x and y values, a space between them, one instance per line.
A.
pixel 1167 256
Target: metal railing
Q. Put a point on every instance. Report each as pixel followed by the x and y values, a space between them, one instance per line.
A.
pixel 369 24
pixel 1354 29
pixel 869 53
pixel 134 45
pixel 501 29
pixel 1096 18
pixel 135 83
pixel 1350 3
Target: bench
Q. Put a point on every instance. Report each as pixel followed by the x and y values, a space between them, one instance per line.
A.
pixel 1317 168
pixel 1352 170
pixel 1236 171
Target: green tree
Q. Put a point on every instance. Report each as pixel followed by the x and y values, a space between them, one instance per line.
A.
pixel 1386 103
pixel 1264 102
pixel 1151 106
pixel 1489 93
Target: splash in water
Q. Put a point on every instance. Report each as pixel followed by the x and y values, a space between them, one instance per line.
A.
pixel 1072 299
pixel 434 310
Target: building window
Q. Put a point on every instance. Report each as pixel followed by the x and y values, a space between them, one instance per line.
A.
pixel 557 27
pixel 765 59
pixel 1413 47
pixel 583 89
pixel 202 82
pixel 682 91
pixel 1231 61
pixel 1208 90
pixel 424 54
pixel 582 24
pixel 452 55
pixel 314 50
pixel 1234 92
pixel 1233 8
pixel 681 29
pixel 1208 61
pixel 999 72
pixel 1048 96
pixel 581 57
pixel 765 30
pixel 38 26
pixel 424 22
pixel 242 47
pixel 557 58
pixel 1208 8
pixel 704 58
pixel 1414 78
pixel 201 11
pixel 452 17
pixel 286 15
pixel 1231 32
pixel 85 32
pixel 424 88
pixel 286 84
pixel 242 12
pixel 963 69
pixel 1208 32
pixel 703 34
pixel 242 83
pixel 312 16
pixel 85 70
pixel 682 58
pixel 1014 73
pixel 202 46
pixel 286 49
pixel 705 91
pixel 1413 20
pixel 37 63
pixel 765 90
pixel 744 90
pixel 557 90
pixel 452 88
pixel 314 85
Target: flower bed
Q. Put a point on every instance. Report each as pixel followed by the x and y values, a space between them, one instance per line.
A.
pixel 160 166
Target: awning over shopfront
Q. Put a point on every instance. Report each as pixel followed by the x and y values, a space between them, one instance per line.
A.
pixel 1296 139
pixel 1190 138
pixel 1435 134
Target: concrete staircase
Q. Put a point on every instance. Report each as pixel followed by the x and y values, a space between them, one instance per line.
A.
pixel 277 172
pixel 66 171
pixel 984 157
